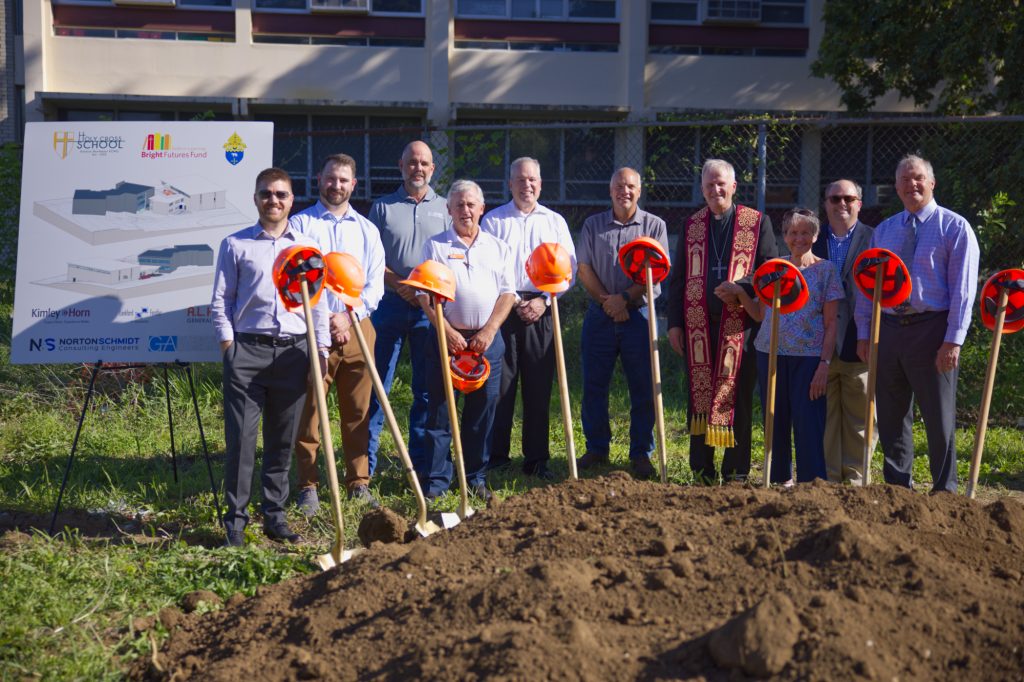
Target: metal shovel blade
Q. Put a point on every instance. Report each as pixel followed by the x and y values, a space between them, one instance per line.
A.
pixel 427 528
pixel 452 519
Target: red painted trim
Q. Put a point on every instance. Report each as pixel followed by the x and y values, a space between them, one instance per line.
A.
pixel 540 31
pixel 729 36
pixel 346 26
pixel 142 18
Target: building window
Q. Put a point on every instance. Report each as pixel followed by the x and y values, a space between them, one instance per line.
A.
pixel 674 11
pixel 551 10
pixel 301 142
pixel 372 6
pixel 783 12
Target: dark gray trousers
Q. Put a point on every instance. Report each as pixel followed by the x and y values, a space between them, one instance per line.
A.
pixel 906 371
pixel 261 380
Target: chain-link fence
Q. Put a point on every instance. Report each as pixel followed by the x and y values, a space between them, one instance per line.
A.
pixel 780 163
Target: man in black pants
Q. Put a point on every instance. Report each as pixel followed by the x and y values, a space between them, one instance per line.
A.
pixel 265 359
pixel 524 224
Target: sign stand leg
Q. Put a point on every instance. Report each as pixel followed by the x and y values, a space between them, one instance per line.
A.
pixel 170 424
pixel 74 445
pixel 187 366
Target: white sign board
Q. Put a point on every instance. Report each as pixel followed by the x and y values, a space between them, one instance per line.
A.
pixel 119 233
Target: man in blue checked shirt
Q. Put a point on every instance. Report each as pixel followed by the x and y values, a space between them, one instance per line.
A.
pixel 336 226
pixel 919 341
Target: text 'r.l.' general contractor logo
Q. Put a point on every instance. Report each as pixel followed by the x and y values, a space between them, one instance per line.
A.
pixel 234 149
pixel 157 142
pixel 61 141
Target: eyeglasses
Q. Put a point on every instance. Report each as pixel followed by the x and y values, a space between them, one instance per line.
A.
pixel 266 194
pixel 837 198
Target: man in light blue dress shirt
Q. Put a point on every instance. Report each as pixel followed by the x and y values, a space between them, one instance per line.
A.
pixel 265 358
pixel 919 341
pixel 336 226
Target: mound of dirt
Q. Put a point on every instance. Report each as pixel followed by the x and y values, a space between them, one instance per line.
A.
pixel 618 579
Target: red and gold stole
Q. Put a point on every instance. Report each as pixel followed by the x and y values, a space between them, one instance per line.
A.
pixel 713 389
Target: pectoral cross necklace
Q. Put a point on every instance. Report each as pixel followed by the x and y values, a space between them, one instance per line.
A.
pixel 720 268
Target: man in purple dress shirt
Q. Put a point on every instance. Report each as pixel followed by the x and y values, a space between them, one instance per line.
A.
pixel 919 341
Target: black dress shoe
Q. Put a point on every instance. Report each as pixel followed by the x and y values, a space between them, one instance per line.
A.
pixel 589 460
pixel 482 491
pixel 282 533
pixel 235 538
pixel 642 468
pixel 541 471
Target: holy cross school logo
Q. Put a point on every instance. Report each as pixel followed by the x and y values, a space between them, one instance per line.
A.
pixel 61 141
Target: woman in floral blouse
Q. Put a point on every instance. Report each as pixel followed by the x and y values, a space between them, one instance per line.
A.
pixel 806 340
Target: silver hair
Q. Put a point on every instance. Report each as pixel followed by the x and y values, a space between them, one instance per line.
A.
pixel 626 169
pixel 914 158
pixel 856 188
pixel 712 165
pixel 465 187
pixel 520 161
pixel 801 213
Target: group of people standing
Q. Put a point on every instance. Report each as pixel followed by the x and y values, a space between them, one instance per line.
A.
pixel 713 323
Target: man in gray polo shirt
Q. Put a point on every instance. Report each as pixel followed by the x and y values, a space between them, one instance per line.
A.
pixel 615 324
pixel 406 218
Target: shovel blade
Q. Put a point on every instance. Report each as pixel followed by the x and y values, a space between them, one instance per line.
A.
pixel 450 519
pixel 328 561
pixel 427 528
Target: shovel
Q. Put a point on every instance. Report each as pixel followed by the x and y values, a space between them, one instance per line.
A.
pixel 869 415
pixel 423 526
pixel 338 553
pixel 450 520
pixel 773 364
pixel 1004 283
pixel 659 409
pixel 563 389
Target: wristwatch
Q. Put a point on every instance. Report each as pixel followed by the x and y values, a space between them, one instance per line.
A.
pixel 827 362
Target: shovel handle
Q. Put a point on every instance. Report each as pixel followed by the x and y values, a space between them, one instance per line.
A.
pixel 563 390
pixel 659 408
pixel 453 413
pixel 325 427
pixel 986 396
pixel 389 416
pixel 869 413
pixel 773 365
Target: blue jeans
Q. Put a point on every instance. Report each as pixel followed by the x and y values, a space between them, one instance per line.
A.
pixel 477 421
pixel 604 340
pixel 796 412
pixel 394 320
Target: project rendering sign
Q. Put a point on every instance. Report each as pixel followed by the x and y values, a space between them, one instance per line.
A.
pixel 119 232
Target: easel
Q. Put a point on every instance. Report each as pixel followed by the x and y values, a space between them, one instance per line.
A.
pixel 187 369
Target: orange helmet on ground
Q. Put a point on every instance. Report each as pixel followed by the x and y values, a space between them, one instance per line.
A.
pixel 633 255
pixel 433 278
pixel 292 266
pixel 345 277
pixel 550 267
pixel 793 293
pixel 895 276
pixel 469 370
pixel 1013 281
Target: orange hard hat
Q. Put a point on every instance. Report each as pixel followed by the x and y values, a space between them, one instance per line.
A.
pixel 345 277
pixel 469 370
pixel 895 276
pixel 292 266
pixel 1013 281
pixel 434 278
pixel 633 255
pixel 793 293
pixel 549 267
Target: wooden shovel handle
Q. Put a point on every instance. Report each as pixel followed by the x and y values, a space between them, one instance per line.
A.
pixel 453 413
pixel 563 390
pixel 986 396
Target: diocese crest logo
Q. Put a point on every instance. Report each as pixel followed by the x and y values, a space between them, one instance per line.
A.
pixel 234 149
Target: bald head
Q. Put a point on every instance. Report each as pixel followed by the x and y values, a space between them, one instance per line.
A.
pixel 625 192
pixel 417 166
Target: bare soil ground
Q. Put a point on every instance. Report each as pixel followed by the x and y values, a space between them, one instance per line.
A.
pixel 616 579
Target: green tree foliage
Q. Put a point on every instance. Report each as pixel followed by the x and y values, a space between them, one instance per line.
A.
pixel 952 56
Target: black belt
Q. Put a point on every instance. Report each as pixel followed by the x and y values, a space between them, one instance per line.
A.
pixel 468 333
pixel 271 341
pixel 913 318
pixel 529 295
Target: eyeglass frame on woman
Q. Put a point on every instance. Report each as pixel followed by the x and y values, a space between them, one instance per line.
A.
pixel 266 194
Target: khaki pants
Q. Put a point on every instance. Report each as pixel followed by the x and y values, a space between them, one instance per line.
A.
pixel 347 370
pixel 844 420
